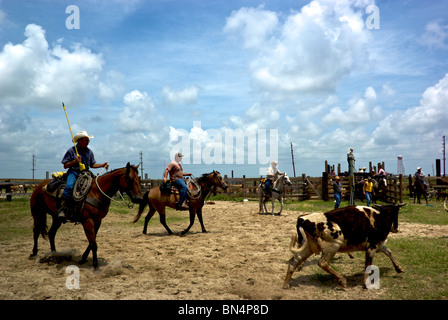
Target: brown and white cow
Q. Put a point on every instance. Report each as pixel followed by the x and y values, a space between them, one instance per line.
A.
pixel 353 228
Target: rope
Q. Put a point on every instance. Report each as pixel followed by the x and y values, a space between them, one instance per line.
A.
pixel 129 204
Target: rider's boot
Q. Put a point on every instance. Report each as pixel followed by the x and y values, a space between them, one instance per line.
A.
pixel 66 210
pixel 62 211
pixel 181 207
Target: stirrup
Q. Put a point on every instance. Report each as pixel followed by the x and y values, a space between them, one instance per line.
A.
pixel 181 207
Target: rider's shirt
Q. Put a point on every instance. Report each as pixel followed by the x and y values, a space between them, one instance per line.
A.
pixel 87 158
pixel 175 170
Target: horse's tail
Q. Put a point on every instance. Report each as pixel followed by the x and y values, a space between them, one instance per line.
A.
pixel 39 214
pixel 143 203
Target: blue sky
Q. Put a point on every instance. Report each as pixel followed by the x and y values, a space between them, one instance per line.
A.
pixel 138 75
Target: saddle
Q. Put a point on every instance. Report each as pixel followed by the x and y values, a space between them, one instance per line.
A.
pixel 193 189
pixel 55 188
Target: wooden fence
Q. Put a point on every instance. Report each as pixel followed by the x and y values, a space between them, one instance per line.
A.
pixel 247 187
pixel 393 192
pixel 303 187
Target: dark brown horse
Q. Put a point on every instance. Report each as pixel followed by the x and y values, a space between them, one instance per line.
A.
pixel 419 190
pixel 91 213
pixel 157 201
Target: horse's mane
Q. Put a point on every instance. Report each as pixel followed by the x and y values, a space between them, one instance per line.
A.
pixel 110 172
pixel 205 175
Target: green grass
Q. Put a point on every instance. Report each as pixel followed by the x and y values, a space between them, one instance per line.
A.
pixel 15 218
pixel 425 262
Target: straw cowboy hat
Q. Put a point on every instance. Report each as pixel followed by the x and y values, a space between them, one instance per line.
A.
pixel 82 134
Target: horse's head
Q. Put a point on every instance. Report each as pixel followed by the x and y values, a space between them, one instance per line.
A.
pixel 130 183
pixel 286 179
pixel 215 179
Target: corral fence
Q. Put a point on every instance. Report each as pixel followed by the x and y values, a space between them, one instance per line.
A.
pixel 393 192
pixel 399 188
pixel 247 187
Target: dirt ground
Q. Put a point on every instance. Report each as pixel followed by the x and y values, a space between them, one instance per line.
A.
pixel 243 256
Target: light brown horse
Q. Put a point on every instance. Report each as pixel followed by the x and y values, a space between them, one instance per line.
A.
pixel 91 213
pixel 157 201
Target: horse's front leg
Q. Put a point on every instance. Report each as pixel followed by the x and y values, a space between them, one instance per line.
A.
pixel 273 205
pixel 192 216
pixel 199 213
pixel 90 230
pixel 281 205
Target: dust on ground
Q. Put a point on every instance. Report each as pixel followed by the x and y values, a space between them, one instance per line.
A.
pixel 244 255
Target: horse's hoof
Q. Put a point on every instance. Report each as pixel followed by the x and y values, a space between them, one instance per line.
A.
pixel 82 261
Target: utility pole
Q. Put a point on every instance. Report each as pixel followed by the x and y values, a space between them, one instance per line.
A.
pixel 34 162
pixel 293 165
pixel 141 162
pixel 444 158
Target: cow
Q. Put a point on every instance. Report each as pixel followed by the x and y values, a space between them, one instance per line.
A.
pixel 348 229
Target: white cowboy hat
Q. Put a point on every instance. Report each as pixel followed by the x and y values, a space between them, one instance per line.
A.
pixel 82 134
pixel 419 168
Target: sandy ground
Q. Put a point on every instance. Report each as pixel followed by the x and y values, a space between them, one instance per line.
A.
pixel 243 256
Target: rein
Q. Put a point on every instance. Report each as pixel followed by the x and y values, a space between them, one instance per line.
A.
pixel 129 204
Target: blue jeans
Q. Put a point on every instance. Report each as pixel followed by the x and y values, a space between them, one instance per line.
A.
pixel 337 197
pixel 182 187
pixel 368 198
pixel 71 179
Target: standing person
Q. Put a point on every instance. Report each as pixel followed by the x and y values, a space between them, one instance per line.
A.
pixel 177 174
pixel 337 189
pixel 351 164
pixel 271 176
pixel 368 190
pixel 71 161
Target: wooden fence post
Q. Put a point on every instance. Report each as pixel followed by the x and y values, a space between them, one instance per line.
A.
pixel 325 186
pixel 243 186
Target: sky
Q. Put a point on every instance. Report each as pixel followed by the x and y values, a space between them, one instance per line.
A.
pixel 230 84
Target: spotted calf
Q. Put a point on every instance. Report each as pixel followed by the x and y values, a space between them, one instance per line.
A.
pixel 353 228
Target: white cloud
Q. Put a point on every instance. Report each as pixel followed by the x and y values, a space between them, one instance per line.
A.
pixel 138 113
pixel 181 97
pixel 33 73
pixel 359 113
pixel 435 35
pixel 420 126
pixel 312 50
pixel 255 25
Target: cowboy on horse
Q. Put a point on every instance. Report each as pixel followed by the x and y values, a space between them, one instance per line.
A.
pixel 177 174
pixel 74 159
pixel 421 175
pixel 271 176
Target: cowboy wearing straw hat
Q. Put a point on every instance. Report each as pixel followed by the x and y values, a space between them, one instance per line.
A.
pixel 76 158
pixel 272 175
